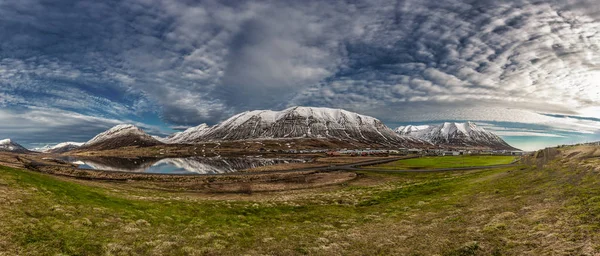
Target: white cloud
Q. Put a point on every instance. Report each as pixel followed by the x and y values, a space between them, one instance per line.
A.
pixel 511 53
pixel 410 60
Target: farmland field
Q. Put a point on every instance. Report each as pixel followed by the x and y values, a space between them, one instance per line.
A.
pixel 437 162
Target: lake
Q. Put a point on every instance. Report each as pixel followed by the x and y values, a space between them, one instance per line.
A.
pixel 189 165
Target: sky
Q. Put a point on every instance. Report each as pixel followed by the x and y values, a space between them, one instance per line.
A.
pixel 528 70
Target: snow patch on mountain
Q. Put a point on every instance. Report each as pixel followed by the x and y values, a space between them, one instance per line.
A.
pixel 117 131
pixel 411 129
pixel 191 134
pixel 297 122
pixel 59 148
pixel 456 135
pixel 70 143
pixel 11 146
pixel 122 135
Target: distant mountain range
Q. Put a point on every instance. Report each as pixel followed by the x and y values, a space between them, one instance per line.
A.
pixel 303 123
pixel 7 145
pixel 456 135
pixel 298 122
pixel 59 148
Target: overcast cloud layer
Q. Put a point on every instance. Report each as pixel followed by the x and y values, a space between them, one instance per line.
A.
pixel 168 63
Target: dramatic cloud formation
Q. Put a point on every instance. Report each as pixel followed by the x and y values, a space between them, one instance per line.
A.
pixel 41 126
pixel 528 68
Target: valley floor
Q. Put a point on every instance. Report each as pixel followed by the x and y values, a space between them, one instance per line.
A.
pixel 548 205
pixel 435 162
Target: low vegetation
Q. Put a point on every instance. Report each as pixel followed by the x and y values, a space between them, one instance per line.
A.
pixel 318 161
pixel 547 206
pixel 435 162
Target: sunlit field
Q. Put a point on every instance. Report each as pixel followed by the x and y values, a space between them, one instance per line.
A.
pixel 531 209
pixel 435 162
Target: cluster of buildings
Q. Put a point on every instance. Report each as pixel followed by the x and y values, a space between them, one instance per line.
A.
pixel 302 151
pixel 423 152
pixel 399 152
pixel 597 143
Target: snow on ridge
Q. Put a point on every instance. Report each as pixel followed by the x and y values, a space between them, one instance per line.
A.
pixel 69 143
pixel 331 114
pixel 319 113
pixel 117 131
pixel 266 118
pixel 122 126
pixel 294 122
pixel 241 118
pixel 188 135
pixel 459 134
pixel 62 145
pixel 411 128
pixel 10 145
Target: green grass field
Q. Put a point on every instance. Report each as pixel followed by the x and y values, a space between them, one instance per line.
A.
pixel 438 162
pixel 512 211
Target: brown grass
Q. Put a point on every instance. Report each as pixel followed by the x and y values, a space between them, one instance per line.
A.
pixel 548 209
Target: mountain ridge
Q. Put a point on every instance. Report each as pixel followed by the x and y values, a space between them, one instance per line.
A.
pixel 298 122
pixel 456 135
pixel 345 127
pixel 123 135
pixel 59 148
pixel 8 145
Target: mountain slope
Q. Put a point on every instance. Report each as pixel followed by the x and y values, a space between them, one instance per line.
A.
pixel 456 135
pixel 123 135
pixel 407 130
pixel 59 148
pixel 303 122
pixel 189 135
pixel 7 145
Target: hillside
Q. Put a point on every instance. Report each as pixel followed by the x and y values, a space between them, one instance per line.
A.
pixel 124 135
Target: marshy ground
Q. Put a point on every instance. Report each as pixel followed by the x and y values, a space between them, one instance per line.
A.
pixel 549 204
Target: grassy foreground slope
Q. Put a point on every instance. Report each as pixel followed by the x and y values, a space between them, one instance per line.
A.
pixel 436 162
pixel 550 206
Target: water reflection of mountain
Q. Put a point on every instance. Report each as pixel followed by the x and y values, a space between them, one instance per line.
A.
pixel 194 165
pixel 113 163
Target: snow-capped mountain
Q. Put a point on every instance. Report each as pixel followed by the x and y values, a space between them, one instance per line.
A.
pixel 7 145
pixel 456 135
pixel 59 148
pixel 299 122
pixel 189 135
pixel 122 135
pixel 407 130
